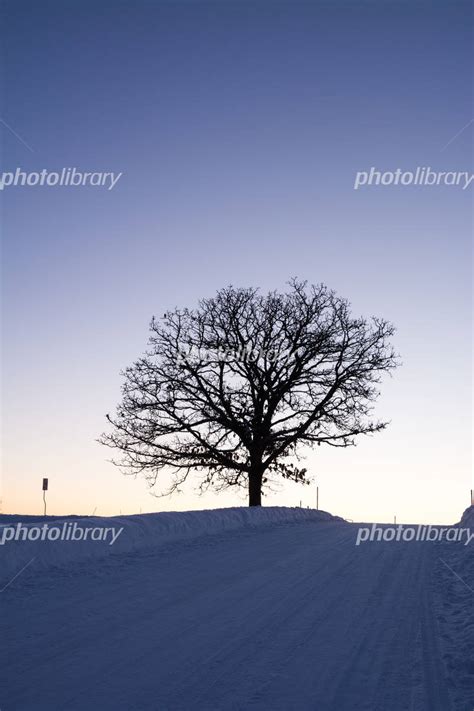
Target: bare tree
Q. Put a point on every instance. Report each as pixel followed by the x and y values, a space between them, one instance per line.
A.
pixel 235 388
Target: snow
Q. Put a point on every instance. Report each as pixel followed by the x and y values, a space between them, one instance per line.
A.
pixel 240 610
pixel 137 533
pixel 454 606
pixel 468 518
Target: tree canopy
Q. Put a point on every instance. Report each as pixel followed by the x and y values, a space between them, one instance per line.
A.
pixel 236 389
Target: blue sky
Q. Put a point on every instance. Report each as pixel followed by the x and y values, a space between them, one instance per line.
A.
pixel 238 127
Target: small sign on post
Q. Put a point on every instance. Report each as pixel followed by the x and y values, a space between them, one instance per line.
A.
pixel 45 489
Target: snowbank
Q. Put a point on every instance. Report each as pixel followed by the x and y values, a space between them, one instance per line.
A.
pixel 453 582
pixel 468 517
pixel 125 534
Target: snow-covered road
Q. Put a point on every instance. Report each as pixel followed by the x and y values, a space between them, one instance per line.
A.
pixel 288 617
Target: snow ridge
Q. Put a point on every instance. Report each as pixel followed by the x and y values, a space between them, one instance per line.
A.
pixel 468 517
pixel 137 532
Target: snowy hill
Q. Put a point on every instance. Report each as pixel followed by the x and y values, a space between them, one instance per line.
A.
pixel 130 533
pixel 468 517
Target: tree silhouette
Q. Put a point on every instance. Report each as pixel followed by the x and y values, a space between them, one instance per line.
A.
pixel 235 388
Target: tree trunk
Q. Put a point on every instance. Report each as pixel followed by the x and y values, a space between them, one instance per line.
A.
pixel 255 488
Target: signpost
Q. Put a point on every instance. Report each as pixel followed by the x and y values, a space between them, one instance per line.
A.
pixel 45 489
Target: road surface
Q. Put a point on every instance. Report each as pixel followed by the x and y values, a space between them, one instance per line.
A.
pixel 291 617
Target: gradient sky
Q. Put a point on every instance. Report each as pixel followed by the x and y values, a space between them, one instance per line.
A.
pixel 239 127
